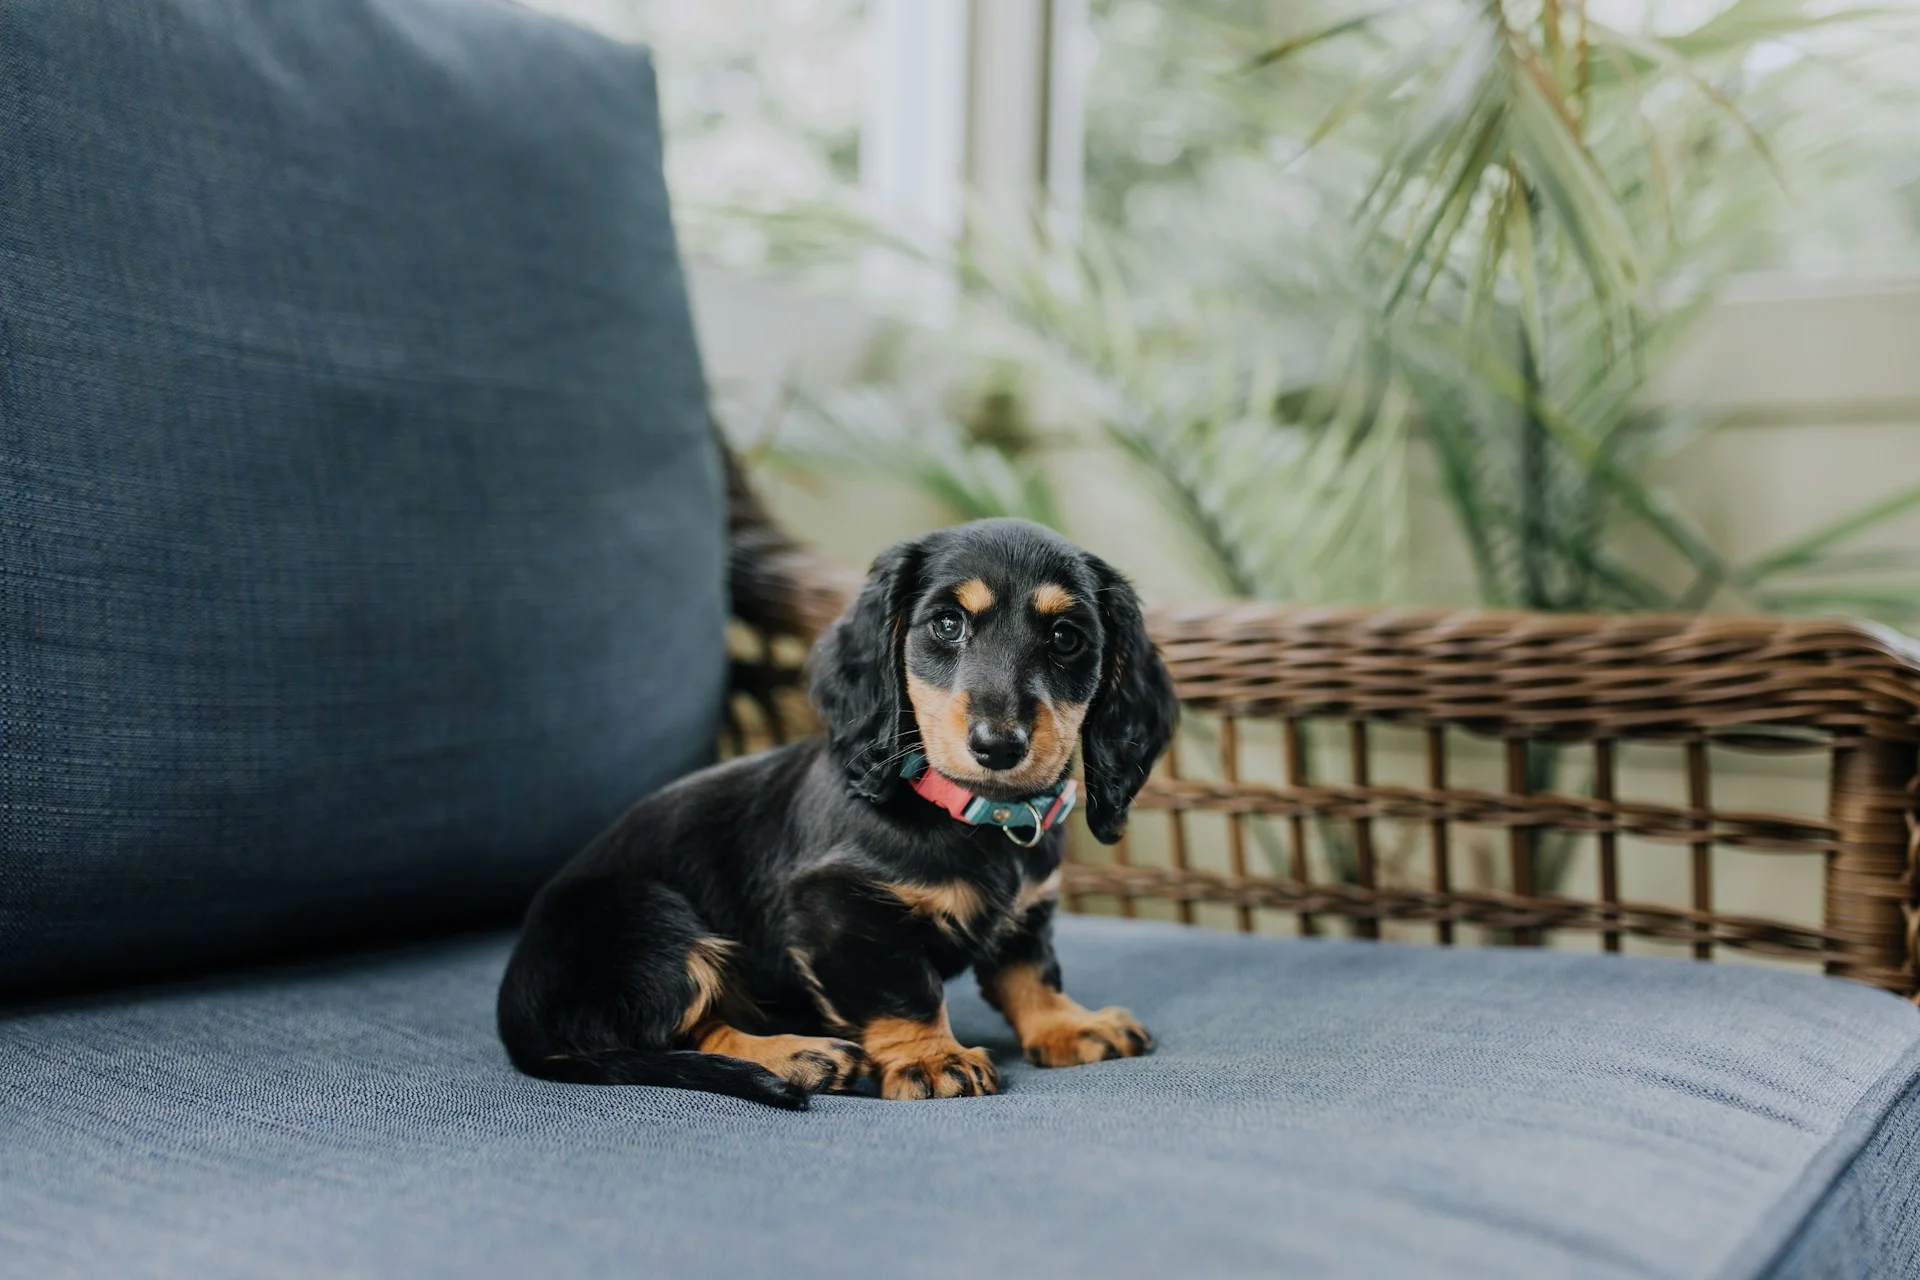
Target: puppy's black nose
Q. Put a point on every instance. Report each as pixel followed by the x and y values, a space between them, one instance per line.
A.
pixel 996 748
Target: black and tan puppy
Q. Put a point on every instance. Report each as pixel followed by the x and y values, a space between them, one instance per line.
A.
pixel 783 924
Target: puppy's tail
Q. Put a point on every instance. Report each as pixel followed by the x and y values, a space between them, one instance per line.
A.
pixel 671 1069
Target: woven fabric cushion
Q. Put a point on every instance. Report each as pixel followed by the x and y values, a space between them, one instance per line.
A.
pixel 1315 1109
pixel 361 538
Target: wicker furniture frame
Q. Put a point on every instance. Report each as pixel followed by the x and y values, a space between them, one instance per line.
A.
pixel 1593 685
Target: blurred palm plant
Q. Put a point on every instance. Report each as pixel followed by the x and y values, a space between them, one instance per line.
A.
pixel 1547 205
pixel 1534 240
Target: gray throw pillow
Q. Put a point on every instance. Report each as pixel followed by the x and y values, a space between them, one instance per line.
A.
pixel 361 534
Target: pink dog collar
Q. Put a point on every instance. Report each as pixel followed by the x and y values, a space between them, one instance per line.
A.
pixel 1042 812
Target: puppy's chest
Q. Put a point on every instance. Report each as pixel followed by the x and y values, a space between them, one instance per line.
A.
pixel 972 913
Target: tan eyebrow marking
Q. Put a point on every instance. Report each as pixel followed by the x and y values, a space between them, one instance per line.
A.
pixel 1051 597
pixel 974 595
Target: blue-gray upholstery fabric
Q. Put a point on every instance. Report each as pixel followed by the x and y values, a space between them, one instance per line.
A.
pixel 1856 1211
pixel 1315 1109
pixel 361 536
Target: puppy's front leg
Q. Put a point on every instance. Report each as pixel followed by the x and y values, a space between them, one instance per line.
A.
pixel 895 1002
pixel 917 1057
pixel 1022 981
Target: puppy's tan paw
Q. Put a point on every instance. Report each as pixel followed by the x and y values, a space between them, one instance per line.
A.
pixel 940 1073
pixel 1073 1037
pixel 923 1060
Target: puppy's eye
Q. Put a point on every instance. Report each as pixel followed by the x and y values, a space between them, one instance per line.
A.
pixel 1066 640
pixel 949 628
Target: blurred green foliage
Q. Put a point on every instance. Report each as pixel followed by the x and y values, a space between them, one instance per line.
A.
pixel 1317 232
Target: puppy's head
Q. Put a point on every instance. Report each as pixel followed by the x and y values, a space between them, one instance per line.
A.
pixel 994 647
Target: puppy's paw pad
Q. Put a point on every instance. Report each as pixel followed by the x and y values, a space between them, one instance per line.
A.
pixel 939 1073
pixel 1083 1036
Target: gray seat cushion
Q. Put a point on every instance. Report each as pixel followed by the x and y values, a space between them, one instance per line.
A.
pixel 1316 1108
pixel 361 533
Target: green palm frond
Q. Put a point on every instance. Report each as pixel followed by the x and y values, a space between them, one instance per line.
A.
pixel 1498 110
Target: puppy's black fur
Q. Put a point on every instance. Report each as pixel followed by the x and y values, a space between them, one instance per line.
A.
pixel 783 924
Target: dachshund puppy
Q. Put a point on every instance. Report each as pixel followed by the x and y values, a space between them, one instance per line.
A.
pixel 783 924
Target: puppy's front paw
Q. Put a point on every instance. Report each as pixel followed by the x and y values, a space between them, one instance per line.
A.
pixel 939 1073
pixel 1072 1037
pixel 923 1060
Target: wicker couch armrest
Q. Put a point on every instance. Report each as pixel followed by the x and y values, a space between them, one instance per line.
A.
pixel 1553 676
pixel 1847 690
pixel 782 597
pixel 778 587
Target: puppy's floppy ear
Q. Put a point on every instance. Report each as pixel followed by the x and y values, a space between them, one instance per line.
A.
pixel 1134 713
pixel 857 681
